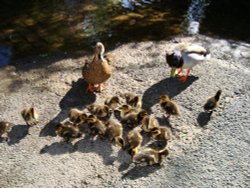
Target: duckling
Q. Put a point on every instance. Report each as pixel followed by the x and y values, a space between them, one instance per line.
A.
pixel 68 131
pixel 30 116
pixel 133 117
pixel 141 115
pixel 5 128
pixel 134 138
pixel 112 102
pixel 169 106
pixel 133 100
pixel 161 133
pixel 126 109
pixel 114 131
pixel 98 71
pixel 148 123
pixel 212 102
pixel 150 156
pixel 101 111
pixel 97 127
pixel 77 116
pixel 186 58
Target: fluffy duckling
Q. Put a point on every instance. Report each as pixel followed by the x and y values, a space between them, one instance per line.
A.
pixel 97 127
pixel 5 128
pixel 150 156
pixel 77 116
pixel 101 111
pixel 126 109
pixel 186 58
pixel 134 138
pixel 112 102
pixel 132 117
pixel 161 133
pixel 133 100
pixel 148 123
pixel 115 131
pixel 98 71
pixel 212 102
pixel 169 106
pixel 68 131
pixel 141 115
pixel 30 116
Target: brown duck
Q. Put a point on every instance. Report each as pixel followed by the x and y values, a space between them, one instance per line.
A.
pixel 97 71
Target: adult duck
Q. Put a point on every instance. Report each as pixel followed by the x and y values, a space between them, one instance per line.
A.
pixel 96 72
pixel 186 58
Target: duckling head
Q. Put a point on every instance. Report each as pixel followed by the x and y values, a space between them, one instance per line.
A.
pixel 58 128
pixel 108 110
pixel 133 151
pixel 141 115
pixel 91 107
pixel 164 98
pixel 91 119
pixel 155 132
pixel 83 118
pixel 217 95
pixel 124 108
pixel 115 99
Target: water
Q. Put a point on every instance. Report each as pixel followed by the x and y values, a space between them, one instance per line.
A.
pixel 34 27
pixel 195 15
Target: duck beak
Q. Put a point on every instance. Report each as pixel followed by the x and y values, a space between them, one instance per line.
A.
pixel 172 73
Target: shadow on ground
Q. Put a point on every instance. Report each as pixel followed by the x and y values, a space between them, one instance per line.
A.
pixel 101 147
pixel 58 148
pixel 169 86
pixel 17 133
pixel 76 97
pixel 203 118
pixel 140 171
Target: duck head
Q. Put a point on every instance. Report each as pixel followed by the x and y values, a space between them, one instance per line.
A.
pixel 174 60
pixel 99 50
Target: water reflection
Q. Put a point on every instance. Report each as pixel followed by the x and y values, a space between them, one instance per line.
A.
pixel 35 27
pixel 40 27
pixel 5 55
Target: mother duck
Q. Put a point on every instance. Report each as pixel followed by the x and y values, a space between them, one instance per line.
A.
pixel 98 71
pixel 186 58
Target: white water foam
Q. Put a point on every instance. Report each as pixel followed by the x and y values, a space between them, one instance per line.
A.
pixel 195 14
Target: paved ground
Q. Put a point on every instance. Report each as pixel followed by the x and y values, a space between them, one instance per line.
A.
pixel 205 152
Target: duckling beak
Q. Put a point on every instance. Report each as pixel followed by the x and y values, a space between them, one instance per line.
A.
pixel 173 72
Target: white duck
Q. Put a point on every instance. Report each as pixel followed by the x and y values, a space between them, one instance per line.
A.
pixel 186 58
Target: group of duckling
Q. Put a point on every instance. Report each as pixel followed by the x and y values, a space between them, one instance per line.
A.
pixel 112 117
pixel 109 120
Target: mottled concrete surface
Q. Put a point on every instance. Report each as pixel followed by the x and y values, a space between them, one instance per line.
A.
pixel 205 152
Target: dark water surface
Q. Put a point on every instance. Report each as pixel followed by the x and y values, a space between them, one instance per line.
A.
pixel 39 27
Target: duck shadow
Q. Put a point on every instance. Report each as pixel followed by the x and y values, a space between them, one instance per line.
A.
pixel 140 171
pixel 102 147
pixel 76 97
pixel 17 133
pixel 58 148
pixel 169 86
pixel 203 118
